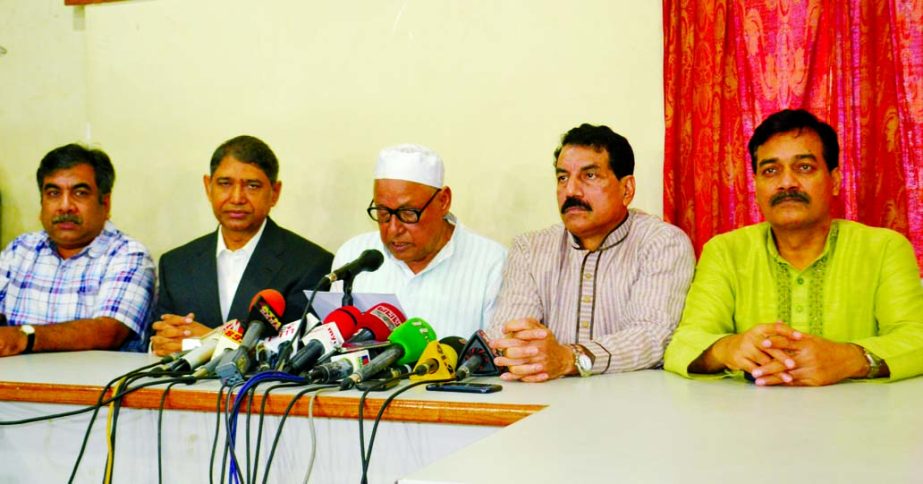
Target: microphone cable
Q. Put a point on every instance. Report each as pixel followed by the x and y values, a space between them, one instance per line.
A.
pixel 247 432
pixel 228 452
pixel 115 408
pixel 110 432
pixel 285 414
pixel 259 429
pixel 211 460
pixel 311 400
pixel 100 404
pixel 252 472
pixel 163 399
pixel 235 471
pixel 366 458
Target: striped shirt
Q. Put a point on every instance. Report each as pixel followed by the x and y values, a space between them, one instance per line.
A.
pixel 621 301
pixel 112 277
pixel 456 291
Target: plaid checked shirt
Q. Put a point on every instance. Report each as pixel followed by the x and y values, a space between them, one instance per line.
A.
pixel 112 277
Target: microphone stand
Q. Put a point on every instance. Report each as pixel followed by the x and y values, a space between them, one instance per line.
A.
pixel 347 291
pixel 287 348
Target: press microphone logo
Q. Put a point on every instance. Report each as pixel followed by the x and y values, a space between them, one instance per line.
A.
pixel 233 330
pixel 386 312
pixel 270 317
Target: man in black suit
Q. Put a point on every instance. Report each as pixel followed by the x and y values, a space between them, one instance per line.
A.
pixel 212 279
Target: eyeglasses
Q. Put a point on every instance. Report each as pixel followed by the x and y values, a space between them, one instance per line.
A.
pixel 383 214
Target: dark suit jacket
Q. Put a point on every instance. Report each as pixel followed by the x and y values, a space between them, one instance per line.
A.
pixel 282 260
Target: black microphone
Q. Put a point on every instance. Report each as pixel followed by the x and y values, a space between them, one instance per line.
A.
pixel 369 260
pixel 264 321
pixel 477 358
pixel 338 369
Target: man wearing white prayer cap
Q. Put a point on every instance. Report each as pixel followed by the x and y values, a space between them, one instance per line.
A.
pixel 439 270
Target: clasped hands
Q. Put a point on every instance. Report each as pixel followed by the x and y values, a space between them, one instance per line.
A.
pixel 170 331
pixel 531 352
pixel 777 354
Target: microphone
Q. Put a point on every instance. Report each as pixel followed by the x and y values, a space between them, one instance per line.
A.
pixel 325 338
pixel 438 360
pixel 340 367
pixel 369 260
pixel 407 343
pixel 208 369
pixel 477 358
pixel 263 321
pixel 348 315
pixel 197 357
pixel 377 323
pixel 263 356
pixel 396 372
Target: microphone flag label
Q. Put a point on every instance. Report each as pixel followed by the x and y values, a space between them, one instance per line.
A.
pixel 269 316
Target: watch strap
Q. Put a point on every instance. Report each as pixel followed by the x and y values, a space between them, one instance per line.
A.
pixel 29 331
pixel 581 353
pixel 874 363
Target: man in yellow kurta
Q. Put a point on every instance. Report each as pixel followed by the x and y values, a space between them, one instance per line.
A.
pixel 803 298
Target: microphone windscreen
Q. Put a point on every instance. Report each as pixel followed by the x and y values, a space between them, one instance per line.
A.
pixel 267 306
pixel 384 318
pixel 346 318
pixel 457 343
pixel 274 298
pixel 412 336
pixel 371 259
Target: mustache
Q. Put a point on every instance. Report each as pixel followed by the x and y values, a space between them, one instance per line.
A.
pixel 571 202
pixel 67 217
pixel 793 195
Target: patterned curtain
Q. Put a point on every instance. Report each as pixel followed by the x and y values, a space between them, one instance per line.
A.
pixel 857 64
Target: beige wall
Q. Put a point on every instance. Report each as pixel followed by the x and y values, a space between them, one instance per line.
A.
pixel 490 85
pixel 42 99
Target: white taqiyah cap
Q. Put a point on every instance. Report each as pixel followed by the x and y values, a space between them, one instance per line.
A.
pixel 410 162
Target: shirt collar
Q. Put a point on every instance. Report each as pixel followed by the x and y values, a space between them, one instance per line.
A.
pixel 829 245
pixel 246 250
pixel 95 249
pixel 614 238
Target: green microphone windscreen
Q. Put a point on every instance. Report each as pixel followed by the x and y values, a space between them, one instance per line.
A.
pixel 413 335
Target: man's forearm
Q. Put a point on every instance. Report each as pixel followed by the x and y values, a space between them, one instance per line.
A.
pixel 82 334
pixel 708 361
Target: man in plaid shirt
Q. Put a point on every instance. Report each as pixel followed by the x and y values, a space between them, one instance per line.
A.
pixel 80 283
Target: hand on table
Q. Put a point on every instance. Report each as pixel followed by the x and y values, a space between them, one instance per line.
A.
pixel 531 352
pixel 12 341
pixel 170 331
pixel 817 361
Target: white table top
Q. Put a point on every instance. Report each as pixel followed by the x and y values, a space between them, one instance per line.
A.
pixel 653 426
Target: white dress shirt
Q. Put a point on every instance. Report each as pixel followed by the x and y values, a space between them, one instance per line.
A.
pixel 231 267
pixel 456 291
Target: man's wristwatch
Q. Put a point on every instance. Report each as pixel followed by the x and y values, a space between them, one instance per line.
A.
pixel 874 363
pixel 582 361
pixel 29 331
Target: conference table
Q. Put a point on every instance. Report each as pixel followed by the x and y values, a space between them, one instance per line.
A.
pixel 646 426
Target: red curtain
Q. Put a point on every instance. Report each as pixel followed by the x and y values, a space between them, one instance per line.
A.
pixel 857 64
